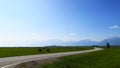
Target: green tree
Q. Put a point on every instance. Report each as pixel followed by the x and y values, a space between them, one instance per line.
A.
pixel 108 45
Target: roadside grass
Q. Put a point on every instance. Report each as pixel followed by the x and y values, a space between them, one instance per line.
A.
pixel 107 58
pixel 20 51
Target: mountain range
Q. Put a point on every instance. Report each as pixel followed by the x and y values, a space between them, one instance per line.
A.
pixel 113 41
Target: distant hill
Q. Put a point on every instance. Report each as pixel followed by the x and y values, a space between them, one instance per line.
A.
pixel 61 43
pixel 69 43
pixel 113 41
pixel 82 42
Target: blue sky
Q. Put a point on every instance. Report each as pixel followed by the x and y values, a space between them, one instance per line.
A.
pixel 67 20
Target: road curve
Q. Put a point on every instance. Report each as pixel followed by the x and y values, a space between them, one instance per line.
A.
pixel 11 62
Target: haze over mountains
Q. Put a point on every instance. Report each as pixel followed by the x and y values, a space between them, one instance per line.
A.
pixel 113 41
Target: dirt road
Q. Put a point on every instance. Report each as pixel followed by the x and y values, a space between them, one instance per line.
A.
pixel 11 62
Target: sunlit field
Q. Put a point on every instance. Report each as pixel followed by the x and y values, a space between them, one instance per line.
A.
pixel 107 58
pixel 20 51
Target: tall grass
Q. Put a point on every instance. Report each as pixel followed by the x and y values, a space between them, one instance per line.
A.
pixel 108 58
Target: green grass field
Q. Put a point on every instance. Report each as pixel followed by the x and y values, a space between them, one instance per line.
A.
pixel 107 58
pixel 20 51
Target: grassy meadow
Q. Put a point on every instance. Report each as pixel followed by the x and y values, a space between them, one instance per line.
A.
pixel 20 51
pixel 107 58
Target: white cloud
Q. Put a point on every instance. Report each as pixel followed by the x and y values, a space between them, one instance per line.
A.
pixel 114 27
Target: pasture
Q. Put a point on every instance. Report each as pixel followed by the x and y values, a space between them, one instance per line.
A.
pixel 20 51
pixel 107 58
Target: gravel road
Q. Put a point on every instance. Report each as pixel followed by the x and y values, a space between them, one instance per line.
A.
pixel 11 62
